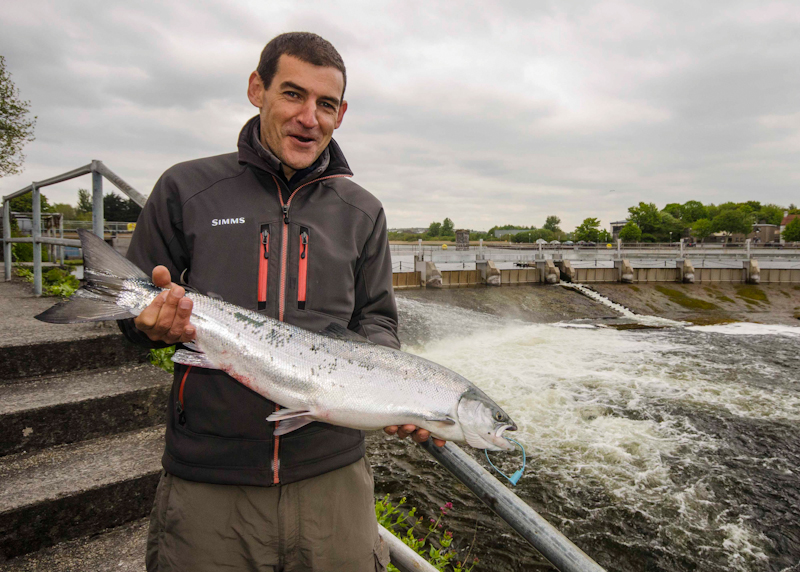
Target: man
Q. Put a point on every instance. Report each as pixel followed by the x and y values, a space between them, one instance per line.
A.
pixel 277 227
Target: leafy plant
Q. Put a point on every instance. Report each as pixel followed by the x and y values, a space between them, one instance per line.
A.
pixel 55 282
pixel 163 358
pixel 435 546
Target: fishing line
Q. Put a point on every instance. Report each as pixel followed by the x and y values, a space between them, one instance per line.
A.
pixel 513 479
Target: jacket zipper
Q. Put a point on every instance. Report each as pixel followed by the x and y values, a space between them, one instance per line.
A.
pixel 263 267
pixel 276 462
pixel 302 272
pixel 179 406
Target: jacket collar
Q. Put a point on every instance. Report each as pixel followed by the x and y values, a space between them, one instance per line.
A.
pixel 253 153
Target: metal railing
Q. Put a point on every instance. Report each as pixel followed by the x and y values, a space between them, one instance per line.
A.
pixel 98 170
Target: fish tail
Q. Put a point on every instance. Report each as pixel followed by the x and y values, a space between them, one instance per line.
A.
pixel 106 271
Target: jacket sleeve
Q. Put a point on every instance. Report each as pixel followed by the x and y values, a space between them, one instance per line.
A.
pixel 375 312
pixel 158 240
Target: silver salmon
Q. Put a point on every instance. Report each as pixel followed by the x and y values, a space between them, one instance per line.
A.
pixel 334 376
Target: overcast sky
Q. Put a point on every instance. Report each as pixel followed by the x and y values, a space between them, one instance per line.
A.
pixel 486 112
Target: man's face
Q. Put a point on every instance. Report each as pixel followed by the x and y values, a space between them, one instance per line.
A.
pixel 299 110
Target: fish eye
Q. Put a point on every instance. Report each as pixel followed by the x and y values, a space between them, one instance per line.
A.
pixel 498 416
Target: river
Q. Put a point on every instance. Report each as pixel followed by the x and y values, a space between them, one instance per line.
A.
pixel 672 449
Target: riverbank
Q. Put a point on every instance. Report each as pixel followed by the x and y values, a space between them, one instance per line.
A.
pixel 697 303
pixel 705 304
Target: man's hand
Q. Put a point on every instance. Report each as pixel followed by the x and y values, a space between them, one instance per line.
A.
pixel 418 435
pixel 166 319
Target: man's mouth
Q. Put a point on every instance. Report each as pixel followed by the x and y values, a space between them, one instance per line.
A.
pixel 302 139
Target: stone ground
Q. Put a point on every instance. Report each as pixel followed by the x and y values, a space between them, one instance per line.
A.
pixel 18 306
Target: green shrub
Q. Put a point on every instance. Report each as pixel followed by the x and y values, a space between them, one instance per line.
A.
pixel 434 546
pixel 163 358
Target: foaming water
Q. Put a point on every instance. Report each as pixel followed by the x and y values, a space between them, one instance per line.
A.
pixel 646 442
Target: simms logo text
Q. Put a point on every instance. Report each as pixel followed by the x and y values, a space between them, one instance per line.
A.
pixel 219 221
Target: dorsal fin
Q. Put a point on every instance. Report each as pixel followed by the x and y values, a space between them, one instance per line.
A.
pixel 337 332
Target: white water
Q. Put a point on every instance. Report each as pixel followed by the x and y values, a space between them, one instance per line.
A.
pixel 599 410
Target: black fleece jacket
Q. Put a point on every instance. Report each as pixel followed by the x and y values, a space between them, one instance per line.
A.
pixel 309 252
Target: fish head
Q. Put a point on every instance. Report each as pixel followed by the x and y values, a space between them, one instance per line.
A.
pixel 484 422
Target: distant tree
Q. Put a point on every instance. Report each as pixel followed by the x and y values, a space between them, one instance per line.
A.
pixel 671 228
pixel 15 128
pixel 604 236
pixel 588 230
pixel 65 209
pixel 674 209
pixel 435 229
pixel 792 231
pixel 702 229
pixel 646 216
pixel 84 202
pixel 116 208
pixel 692 211
pixel 448 228
pixel 24 203
pixel 552 223
pixel 630 232
pixel 770 214
pixel 732 221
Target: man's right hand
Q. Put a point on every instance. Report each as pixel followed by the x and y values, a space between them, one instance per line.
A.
pixel 166 319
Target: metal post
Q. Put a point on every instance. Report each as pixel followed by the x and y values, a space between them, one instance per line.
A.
pixel 36 233
pixel 6 238
pixel 542 535
pixel 619 249
pixel 747 242
pixel 97 201
pixel 682 244
pixel 421 253
pixel 61 236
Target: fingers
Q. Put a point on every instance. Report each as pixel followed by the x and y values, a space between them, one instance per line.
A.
pixel 167 317
pixel 161 277
pixel 417 434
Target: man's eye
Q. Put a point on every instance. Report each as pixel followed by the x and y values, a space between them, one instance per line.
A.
pixel 327 105
pixel 291 94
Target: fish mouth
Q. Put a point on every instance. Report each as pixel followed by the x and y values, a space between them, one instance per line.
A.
pixel 501 441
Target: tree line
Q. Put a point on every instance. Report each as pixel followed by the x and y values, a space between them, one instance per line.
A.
pixel 646 223
pixel 115 207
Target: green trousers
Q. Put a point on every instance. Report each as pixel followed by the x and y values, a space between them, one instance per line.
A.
pixel 323 524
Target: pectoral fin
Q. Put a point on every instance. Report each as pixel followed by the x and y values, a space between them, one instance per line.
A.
pixel 447 420
pixel 195 359
pixel 290 420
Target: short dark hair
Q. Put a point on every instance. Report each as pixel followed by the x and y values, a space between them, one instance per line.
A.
pixel 305 46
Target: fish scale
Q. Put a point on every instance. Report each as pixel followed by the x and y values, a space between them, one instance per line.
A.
pixel 334 376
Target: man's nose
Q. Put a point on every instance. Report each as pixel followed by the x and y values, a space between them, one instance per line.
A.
pixel 308 115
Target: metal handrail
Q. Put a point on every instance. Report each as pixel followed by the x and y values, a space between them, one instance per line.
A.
pixel 98 170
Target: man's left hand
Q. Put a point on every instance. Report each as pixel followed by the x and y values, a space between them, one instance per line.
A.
pixel 417 434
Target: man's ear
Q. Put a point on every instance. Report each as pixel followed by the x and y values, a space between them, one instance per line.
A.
pixel 342 109
pixel 255 90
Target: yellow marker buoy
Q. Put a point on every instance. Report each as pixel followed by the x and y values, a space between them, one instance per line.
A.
pixel 444 247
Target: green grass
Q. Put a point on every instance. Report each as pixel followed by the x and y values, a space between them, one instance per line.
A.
pixel 635 288
pixel 723 298
pixel 752 293
pixel 686 301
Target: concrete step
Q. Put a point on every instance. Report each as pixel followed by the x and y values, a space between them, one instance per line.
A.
pixel 45 358
pixel 75 490
pixel 41 412
pixel 120 549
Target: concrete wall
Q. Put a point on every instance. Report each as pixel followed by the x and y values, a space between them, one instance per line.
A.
pixel 402 280
pixel 519 276
pixel 460 278
pixel 646 275
pixel 719 275
pixel 780 275
pixel 588 275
